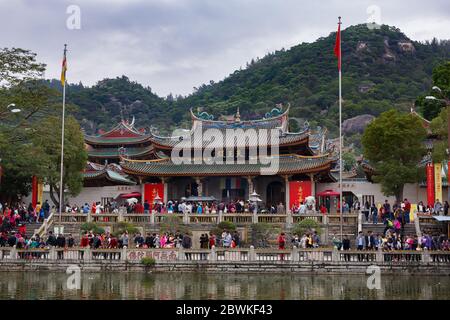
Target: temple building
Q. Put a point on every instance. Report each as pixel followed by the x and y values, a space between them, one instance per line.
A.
pixel 300 165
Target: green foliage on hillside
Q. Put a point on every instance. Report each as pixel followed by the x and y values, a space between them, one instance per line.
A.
pixel 382 69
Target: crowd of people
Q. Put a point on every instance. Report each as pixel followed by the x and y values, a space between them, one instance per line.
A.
pixel 181 207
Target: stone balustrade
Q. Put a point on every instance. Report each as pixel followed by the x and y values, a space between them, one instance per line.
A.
pixel 294 255
pixel 207 218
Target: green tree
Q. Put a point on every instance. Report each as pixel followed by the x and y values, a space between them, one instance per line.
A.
pixel 349 161
pixel 393 143
pixel 47 136
pixel 18 65
pixel 440 129
pixel 20 85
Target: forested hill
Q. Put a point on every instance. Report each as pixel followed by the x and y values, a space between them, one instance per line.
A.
pixel 382 69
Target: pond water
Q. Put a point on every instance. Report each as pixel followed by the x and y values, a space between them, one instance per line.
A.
pixel 171 286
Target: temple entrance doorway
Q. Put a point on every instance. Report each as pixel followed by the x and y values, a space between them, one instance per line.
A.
pixel 275 194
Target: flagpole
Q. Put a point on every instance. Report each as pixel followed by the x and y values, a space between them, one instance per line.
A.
pixel 340 129
pixel 61 185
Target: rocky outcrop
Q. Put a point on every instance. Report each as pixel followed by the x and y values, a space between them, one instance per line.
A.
pixel 357 124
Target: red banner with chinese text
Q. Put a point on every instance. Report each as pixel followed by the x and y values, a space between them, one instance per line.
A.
pixel 298 191
pixel 430 184
pixel 153 189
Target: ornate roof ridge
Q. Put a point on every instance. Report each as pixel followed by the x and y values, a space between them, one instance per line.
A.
pixel 195 117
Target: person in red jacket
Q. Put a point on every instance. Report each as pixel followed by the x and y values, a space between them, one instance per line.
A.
pixel 84 241
pixel 281 244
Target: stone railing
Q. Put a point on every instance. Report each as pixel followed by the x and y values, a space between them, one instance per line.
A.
pixel 207 218
pixel 293 255
pixel 45 226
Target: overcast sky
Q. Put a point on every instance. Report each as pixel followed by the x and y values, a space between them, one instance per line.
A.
pixel 174 45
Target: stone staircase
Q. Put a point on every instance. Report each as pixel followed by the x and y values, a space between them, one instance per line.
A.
pixel 410 228
pixel 30 228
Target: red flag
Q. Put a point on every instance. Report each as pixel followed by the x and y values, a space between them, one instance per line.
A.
pixel 337 45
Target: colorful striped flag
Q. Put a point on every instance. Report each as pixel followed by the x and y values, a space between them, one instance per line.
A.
pixel 64 68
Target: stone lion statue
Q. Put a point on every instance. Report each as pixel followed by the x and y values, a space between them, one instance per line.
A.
pixel 310 203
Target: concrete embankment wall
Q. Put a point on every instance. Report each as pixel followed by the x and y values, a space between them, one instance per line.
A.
pixel 231 267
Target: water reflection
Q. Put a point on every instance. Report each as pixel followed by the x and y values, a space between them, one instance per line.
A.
pixel 43 285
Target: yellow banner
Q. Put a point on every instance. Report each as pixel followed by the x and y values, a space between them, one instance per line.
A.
pixel 40 192
pixel 438 181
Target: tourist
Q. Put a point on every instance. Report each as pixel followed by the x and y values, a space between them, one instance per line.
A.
pixel 186 243
pixel 70 241
pixel 124 240
pixel 356 205
pixel 149 240
pixel 295 241
pixel 420 207
pixel 227 239
pixel 51 240
pixel 386 210
pixel 315 239
pixel 204 241
pixel 407 210
pixel 370 241
pixel 212 240
pixel 281 244
pixel 346 247
pixel 360 241
pixel 374 213
pixel 302 209
pixel 366 210
pixel 236 239
pixel 437 208
pixel 280 209
pixel 139 241
pixel 146 207
pixel 446 206
pixel 84 240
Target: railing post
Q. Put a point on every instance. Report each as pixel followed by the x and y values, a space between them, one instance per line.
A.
pixel 255 217
pixel 52 253
pixel 185 218
pixel 417 224
pixel 120 217
pixel 212 255
pixel 123 255
pixel 152 218
pixel 89 217
pixel 426 256
pixel 13 253
pixel 45 226
pixel 220 217
pixel 360 221
pixel 181 255
pixel 295 256
pixel 379 255
pixel 252 254
pixel 335 255
pixel 87 254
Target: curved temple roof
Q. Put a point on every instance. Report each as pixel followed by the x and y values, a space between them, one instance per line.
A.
pixel 122 133
pixel 288 164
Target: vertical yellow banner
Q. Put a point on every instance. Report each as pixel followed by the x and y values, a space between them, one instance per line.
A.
pixel 438 181
pixel 40 192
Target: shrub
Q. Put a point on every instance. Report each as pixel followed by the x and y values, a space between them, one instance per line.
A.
pixel 121 227
pixel 306 226
pixel 262 233
pixel 224 225
pixel 148 261
pixel 92 226
pixel 172 224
